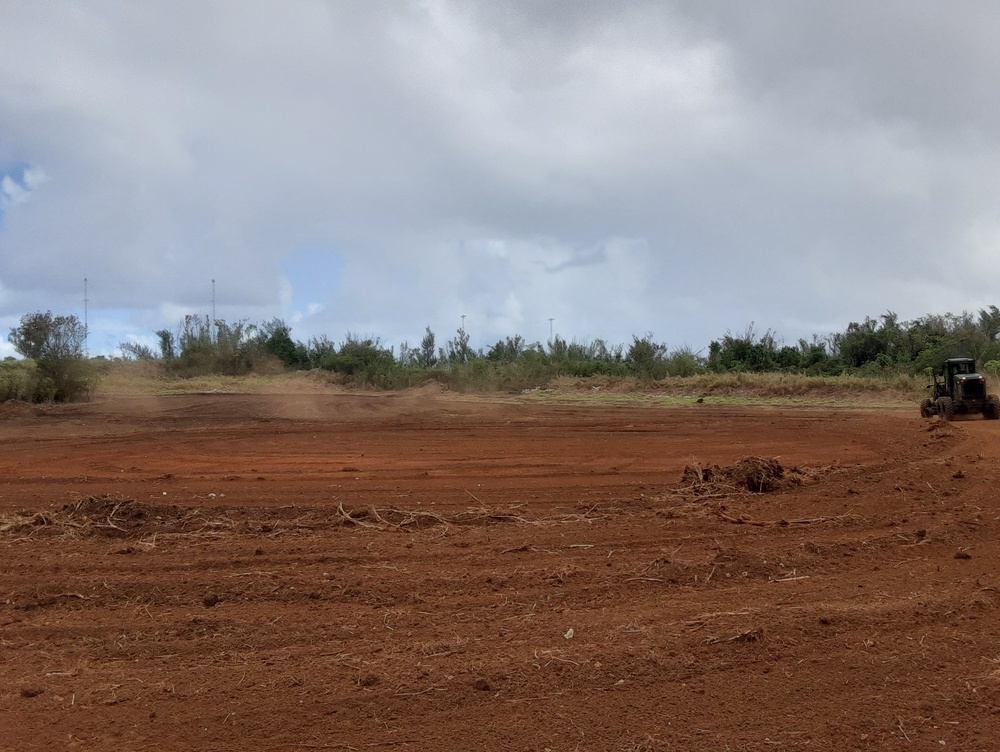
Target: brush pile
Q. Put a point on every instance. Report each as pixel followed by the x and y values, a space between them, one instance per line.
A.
pixel 753 474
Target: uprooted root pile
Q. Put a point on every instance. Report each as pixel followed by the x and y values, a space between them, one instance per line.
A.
pixel 108 515
pixel 749 474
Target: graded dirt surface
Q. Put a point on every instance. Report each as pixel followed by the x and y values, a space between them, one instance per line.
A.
pixel 432 572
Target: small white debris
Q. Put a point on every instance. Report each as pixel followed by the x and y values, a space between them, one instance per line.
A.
pixel 569 634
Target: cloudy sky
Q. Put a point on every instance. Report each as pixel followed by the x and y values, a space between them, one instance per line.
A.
pixel 377 166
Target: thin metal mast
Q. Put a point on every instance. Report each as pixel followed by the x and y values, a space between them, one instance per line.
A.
pixel 215 331
pixel 86 327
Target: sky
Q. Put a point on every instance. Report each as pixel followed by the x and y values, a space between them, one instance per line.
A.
pixel 582 168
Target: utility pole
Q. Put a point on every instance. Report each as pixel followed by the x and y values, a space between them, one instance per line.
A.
pixel 86 328
pixel 463 323
pixel 550 329
pixel 213 331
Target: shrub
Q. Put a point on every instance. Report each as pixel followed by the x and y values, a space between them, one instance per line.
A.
pixel 362 361
pixel 18 380
pixel 55 344
pixel 647 358
pixel 227 349
pixel 684 362
pixel 275 338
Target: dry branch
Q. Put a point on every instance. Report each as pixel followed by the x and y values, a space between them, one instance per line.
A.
pixel 743 520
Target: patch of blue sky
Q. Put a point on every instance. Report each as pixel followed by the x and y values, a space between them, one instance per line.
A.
pixel 107 328
pixel 313 273
pixel 17 181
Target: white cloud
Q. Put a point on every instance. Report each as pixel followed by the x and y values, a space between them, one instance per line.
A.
pixel 677 167
pixel 11 193
pixel 16 191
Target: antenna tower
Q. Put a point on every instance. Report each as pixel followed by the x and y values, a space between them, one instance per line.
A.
pixel 86 327
pixel 215 332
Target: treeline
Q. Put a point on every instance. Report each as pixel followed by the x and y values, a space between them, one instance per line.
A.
pixel 882 346
pixel 200 347
pixel 873 347
pixel 55 367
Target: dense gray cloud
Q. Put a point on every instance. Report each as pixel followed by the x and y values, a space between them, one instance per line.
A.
pixel 375 167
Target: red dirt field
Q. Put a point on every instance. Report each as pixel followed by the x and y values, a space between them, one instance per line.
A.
pixel 431 572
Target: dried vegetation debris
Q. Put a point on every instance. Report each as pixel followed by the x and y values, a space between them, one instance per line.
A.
pixel 747 477
pixel 390 518
pixel 108 515
pixel 124 517
pixel 750 474
pixel 121 513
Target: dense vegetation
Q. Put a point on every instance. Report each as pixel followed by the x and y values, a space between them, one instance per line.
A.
pixel 881 347
pixel 876 347
pixel 54 368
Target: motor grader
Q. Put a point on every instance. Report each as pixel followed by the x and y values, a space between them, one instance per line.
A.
pixel 958 389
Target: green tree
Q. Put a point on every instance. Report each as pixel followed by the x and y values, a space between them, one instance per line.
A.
pixel 426 357
pixel 276 339
pixel 132 350
pixel 507 350
pixel 55 344
pixel 44 336
pixel 168 348
pixel 362 360
pixel 684 362
pixel 746 352
pixel 646 357
pixel 458 349
pixel 989 322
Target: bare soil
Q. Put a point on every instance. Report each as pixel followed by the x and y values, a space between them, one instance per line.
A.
pixel 430 572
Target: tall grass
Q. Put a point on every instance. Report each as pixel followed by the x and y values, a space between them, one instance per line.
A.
pixel 154 378
pixel 895 388
pixel 18 380
pixel 50 380
pixel 482 376
pixel 797 385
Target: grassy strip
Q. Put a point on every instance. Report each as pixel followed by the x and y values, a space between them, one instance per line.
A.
pixel 641 399
pixel 150 379
pixel 765 385
pixel 745 389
